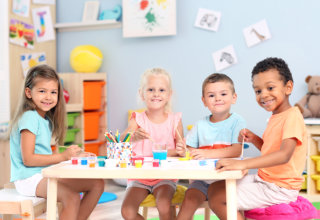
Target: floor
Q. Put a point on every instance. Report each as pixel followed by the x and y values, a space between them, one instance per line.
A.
pixel 111 210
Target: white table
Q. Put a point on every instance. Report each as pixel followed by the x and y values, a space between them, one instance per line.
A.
pixel 66 170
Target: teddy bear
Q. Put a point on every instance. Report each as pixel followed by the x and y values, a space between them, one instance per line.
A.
pixel 309 105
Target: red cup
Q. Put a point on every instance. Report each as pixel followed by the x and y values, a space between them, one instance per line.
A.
pixel 155 162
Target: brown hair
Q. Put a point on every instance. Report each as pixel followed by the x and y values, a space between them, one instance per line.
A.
pixel 56 115
pixel 217 77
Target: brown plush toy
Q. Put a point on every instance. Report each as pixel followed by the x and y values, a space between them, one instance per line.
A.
pixel 309 105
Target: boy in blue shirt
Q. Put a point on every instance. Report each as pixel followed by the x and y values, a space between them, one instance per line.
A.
pixel 215 136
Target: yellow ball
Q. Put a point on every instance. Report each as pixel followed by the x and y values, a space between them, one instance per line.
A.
pixel 86 59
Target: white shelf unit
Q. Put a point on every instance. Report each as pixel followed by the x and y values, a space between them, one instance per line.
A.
pixel 89 25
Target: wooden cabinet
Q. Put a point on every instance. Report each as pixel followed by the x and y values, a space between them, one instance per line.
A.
pixel 4 162
pixel 74 83
pixel 313 130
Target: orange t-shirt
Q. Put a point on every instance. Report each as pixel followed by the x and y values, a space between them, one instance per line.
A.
pixel 287 124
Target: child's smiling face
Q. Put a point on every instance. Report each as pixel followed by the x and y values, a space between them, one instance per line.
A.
pixel 44 95
pixel 157 92
pixel 272 93
pixel 219 97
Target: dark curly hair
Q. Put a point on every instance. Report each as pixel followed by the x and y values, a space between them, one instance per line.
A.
pixel 273 63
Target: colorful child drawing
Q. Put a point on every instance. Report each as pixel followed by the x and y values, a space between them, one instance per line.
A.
pixel 21 7
pixel 21 33
pixel 43 24
pixel 30 60
pixel 149 18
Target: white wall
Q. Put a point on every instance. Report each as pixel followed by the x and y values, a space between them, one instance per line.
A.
pixel 4 64
pixel 294 26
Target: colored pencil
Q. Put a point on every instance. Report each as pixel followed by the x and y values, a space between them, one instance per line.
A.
pixel 108 137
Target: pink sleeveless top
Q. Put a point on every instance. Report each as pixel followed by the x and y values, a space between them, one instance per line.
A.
pixel 160 133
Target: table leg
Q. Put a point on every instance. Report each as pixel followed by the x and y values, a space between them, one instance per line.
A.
pixel 52 198
pixel 231 199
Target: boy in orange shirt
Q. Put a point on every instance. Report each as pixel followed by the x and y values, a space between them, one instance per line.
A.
pixel 283 147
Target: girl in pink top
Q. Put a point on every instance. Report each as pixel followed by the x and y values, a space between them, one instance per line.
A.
pixel 156 125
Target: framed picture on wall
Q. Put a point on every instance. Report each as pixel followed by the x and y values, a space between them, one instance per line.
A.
pixel 90 11
pixel 147 18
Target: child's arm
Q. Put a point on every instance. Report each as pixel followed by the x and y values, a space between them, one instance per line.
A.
pixel 179 142
pixel 28 140
pixel 279 157
pixel 250 137
pixel 233 151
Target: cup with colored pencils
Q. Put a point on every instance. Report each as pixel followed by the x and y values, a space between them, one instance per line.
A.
pixel 119 150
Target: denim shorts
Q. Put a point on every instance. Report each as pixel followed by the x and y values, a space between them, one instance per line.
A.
pixel 138 184
pixel 200 185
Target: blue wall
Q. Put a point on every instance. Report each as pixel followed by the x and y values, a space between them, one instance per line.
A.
pixel 294 26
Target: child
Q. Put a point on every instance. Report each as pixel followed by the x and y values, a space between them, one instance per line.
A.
pixel 41 113
pixel 156 125
pixel 215 136
pixel 282 146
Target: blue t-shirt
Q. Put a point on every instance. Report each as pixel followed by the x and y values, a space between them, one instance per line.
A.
pixel 39 126
pixel 209 135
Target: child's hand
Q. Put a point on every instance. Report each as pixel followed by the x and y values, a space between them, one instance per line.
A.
pixel 198 154
pixel 181 148
pixel 247 135
pixel 86 154
pixel 72 151
pixel 230 164
pixel 140 134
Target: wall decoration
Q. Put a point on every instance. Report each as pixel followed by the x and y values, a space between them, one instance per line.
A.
pixel 45 2
pixel 224 58
pixel 91 11
pixel 21 7
pixel 256 33
pixel 43 24
pixel 208 19
pixel 113 14
pixel 21 33
pixel 30 60
pixel 148 18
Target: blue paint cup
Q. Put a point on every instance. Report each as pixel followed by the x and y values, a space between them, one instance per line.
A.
pixel 84 161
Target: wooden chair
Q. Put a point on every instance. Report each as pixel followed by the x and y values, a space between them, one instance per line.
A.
pixel 12 203
pixel 176 202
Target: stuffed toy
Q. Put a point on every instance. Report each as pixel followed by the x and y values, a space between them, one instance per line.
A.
pixel 309 105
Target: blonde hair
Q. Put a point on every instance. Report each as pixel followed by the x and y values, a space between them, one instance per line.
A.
pixel 156 72
pixel 56 115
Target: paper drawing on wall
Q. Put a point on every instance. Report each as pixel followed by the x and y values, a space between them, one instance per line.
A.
pixel 146 18
pixel 30 60
pixel 21 7
pixel 256 33
pixel 21 33
pixel 224 58
pixel 208 19
pixel 43 24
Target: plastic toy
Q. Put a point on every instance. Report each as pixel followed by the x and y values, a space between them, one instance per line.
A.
pixel 66 95
pixel 113 14
pixel 86 59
